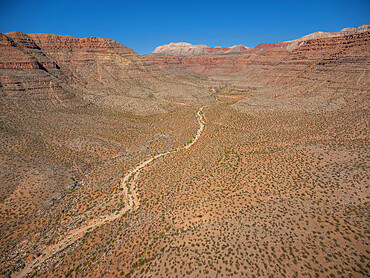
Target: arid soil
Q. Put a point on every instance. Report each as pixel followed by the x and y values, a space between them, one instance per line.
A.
pixel 127 185
pixel 109 168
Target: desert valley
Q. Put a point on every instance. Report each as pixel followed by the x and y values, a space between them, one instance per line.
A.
pixel 191 161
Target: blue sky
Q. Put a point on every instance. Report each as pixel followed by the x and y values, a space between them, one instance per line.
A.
pixel 143 25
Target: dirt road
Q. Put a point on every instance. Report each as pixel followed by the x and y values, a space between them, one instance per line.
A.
pixel 127 184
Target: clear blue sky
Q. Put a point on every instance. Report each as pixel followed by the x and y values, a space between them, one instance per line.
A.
pixel 143 25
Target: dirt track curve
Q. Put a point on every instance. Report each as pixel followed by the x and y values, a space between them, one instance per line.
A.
pixel 127 184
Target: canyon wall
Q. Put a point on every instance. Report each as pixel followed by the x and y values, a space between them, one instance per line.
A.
pixel 319 48
pixel 44 71
pixel 322 74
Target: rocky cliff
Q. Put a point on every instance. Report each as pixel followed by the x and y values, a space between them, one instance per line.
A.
pixel 175 58
pixel 316 49
pixel 322 74
pixel 55 69
pixel 29 77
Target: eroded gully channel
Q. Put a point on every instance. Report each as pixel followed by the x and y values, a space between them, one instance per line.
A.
pixel 127 186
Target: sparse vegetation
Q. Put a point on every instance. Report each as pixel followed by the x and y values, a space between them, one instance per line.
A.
pixel 276 185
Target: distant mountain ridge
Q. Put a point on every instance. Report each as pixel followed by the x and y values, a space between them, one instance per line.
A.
pixel 187 49
pixel 318 35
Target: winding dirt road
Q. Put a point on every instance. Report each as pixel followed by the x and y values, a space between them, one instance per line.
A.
pixel 127 184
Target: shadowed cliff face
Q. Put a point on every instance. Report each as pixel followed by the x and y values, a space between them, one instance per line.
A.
pixel 99 64
pixel 88 70
pixel 31 79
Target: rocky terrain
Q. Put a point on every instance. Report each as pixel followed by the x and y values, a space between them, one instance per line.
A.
pixel 181 61
pixel 293 44
pixel 187 49
pixel 107 72
pixel 111 169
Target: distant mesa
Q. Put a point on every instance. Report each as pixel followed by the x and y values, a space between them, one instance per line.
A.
pixel 201 60
pixel 187 49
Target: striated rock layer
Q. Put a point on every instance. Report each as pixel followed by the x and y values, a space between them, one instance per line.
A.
pixel 321 75
pixel 310 51
pixel 183 49
pixel 293 44
pixel 58 68
pixel 175 58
